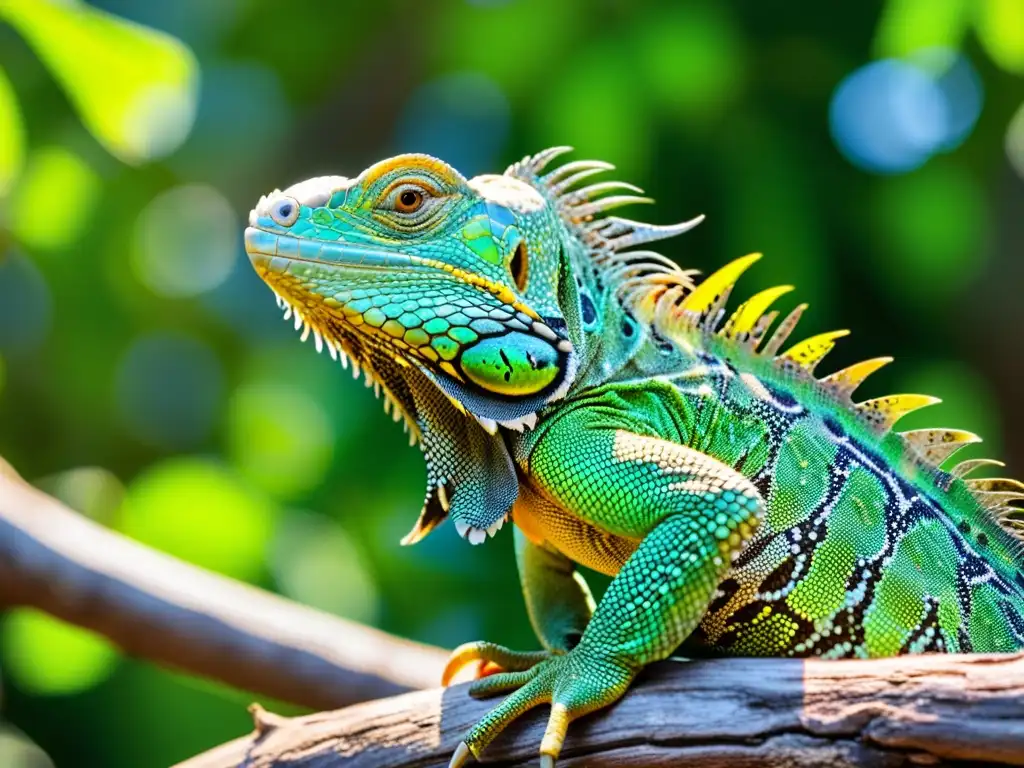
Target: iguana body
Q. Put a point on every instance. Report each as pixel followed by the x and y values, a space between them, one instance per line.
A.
pixel 628 423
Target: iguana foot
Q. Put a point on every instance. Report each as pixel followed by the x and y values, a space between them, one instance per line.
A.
pixel 574 683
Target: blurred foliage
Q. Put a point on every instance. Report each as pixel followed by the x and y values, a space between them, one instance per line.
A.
pixel 872 151
pixel 47 657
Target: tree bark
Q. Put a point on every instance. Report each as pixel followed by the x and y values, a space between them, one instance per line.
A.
pixel 159 608
pixel 778 713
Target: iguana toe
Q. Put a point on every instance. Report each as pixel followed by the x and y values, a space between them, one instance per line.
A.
pixel 495 658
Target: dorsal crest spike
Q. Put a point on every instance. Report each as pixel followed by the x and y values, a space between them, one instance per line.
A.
pixel 882 413
pixel 535 164
pixel 617 234
pixel 708 293
pixel 571 181
pixel 964 468
pixel 845 382
pixel 760 328
pixel 582 209
pixel 995 485
pixel 587 210
pixel 774 344
pixel 591 190
pixel 999 500
pixel 937 445
pixel 568 170
pixel 745 318
pixel 808 353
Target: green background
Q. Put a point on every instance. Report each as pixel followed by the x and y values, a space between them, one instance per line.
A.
pixel 147 380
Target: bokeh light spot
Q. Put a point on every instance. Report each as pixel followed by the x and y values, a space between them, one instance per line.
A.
pixel 578 109
pixel 234 94
pixel 463 118
pixel 12 136
pixel 169 390
pixel 907 26
pixel 450 627
pixel 1000 27
pixel 38 216
pixel 200 511
pixel 1015 141
pixel 932 232
pixel 891 116
pixel 693 59
pixel 47 657
pixel 185 241
pixel 316 563
pixel 133 87
pixel 280 438
pixel 517 70
pixel 91 491
pixel 19 751
pixel 25 305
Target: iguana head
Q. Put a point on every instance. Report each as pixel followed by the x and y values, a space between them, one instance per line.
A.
pixel 488 298
pixel 411 263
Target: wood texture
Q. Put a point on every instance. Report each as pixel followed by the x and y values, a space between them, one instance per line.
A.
pixel 160 608
pixel 924 710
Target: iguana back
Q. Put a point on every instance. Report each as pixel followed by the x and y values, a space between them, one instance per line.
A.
pixel 867 548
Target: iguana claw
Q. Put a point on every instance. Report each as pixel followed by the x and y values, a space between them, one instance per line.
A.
pixel 461 756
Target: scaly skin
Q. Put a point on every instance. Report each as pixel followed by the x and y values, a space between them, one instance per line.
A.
pixel 590 391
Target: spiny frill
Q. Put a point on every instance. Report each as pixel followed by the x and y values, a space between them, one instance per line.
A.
pixel 661 294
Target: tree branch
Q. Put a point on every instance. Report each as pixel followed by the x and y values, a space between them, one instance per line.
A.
pixel 160 608
pixel 779 713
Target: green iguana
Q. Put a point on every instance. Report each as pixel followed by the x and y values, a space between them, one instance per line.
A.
pixel 591 392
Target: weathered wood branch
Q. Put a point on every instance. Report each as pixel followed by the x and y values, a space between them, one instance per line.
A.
pixel 159 608
pixel 777 713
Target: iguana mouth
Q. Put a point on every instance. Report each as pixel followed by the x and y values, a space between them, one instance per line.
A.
pixel 278 250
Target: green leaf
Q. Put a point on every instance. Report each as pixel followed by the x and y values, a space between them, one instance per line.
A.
pixel 1000 27
pixel 12 136
pixel 910 25
pixel 134 88
pixel 200 511
pixel 53 173
pixel 46 657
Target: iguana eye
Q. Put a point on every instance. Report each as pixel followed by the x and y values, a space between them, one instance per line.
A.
pixel 285 211
pixel 409 201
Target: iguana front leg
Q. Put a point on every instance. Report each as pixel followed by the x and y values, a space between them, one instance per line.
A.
pixel 692 514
